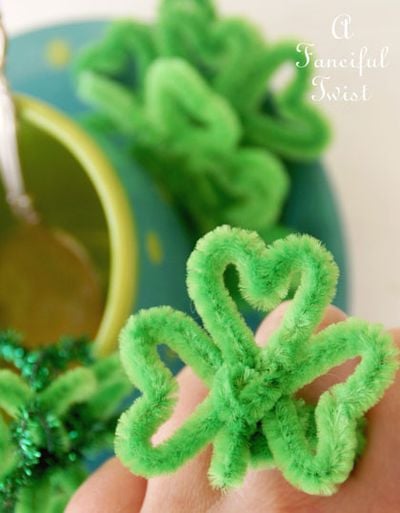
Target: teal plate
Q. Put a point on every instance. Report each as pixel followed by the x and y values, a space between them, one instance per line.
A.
pixel 39 65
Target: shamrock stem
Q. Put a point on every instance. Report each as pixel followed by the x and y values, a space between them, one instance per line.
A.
pixel 230 456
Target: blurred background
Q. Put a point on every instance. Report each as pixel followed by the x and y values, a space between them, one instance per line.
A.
pixel 362 161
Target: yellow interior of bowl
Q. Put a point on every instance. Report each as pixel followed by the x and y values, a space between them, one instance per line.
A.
pixel 76 190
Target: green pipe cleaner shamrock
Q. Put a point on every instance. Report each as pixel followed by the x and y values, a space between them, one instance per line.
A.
pixel 252 415
pixel 53 415
pixel 189 93
pixel 296 127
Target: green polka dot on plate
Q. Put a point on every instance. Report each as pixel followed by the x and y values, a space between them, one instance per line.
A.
pixel 58 53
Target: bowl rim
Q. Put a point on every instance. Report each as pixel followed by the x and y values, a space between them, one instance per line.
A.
pixel 123 281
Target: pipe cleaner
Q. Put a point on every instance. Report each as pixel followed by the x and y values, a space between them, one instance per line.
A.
pixel 189 93
pixel 252 415
pixel 56 405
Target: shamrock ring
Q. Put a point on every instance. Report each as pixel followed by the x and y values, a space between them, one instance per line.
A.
pixel 251 415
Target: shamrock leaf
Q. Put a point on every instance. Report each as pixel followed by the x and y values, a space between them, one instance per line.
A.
pixel 128 46
pixel 293 128
pixel 251 414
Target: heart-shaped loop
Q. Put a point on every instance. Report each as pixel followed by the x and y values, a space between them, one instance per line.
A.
pixel 189 116
pixel 323 461
pixel 251 414
pixel 238 52
pixel 124 55
pixel 265 277
pixel 138 349
pixel 293 128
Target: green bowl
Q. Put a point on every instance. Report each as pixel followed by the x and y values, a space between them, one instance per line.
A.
pixel 76 190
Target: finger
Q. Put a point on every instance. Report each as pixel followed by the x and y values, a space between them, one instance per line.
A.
pixel 272 322
pixel 332 315
pixel 110 489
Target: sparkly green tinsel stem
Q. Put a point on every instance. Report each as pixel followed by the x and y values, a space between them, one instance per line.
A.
pixel 59 404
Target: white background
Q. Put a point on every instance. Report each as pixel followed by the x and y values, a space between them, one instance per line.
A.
pixel 364 158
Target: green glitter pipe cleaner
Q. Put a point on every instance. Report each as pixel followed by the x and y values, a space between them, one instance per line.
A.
pixel 57 404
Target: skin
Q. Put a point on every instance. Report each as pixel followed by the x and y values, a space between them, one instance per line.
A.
pixel 373 486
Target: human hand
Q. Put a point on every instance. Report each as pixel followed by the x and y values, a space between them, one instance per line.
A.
pixel 372 487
